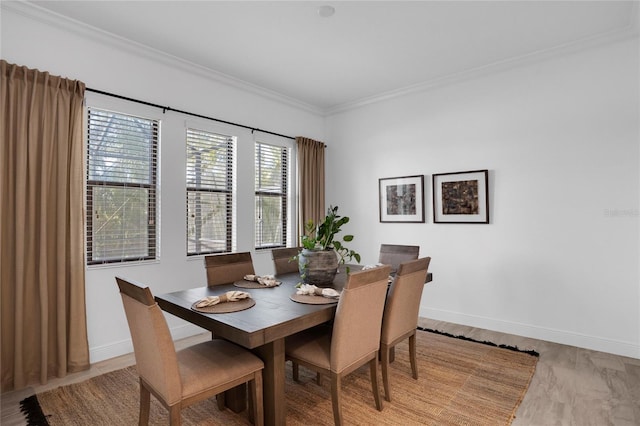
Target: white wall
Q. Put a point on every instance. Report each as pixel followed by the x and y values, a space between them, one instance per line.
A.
pixel 560 139
pixel 108 65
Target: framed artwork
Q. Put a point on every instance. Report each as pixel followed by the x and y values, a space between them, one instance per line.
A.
pixel 461 197
pixel 402 199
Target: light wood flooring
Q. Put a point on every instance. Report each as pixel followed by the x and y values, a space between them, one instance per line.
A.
pixel 571 386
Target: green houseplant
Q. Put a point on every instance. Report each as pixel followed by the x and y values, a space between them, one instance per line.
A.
pixel 322 251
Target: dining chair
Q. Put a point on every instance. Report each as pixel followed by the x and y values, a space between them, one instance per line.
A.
pixel 228 268
pixel 282 259
pixel 352 341
pixel 400 318
pixel 394 255
pixel 180 379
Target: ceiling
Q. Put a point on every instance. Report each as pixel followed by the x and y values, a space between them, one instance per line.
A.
pixel 365 51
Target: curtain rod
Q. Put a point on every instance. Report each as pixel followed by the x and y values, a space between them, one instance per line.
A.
pixel 166 108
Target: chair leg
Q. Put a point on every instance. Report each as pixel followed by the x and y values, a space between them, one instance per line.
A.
pixel 335 398
pixel 384 360
pixel 255 399
pixel 220 400
pixel 145 401
pixel 412 355
pixel 295 368
pixel 251 404
pixel 373 371
pixel 318 379
pixel 174 415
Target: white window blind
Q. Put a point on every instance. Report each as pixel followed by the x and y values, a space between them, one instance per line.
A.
pixel 209 192
pixel 271 195
pixel 122 155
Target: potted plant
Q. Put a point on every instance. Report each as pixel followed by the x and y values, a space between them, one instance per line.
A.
pixel 322 251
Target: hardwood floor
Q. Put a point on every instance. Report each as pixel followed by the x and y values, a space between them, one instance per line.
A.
pixel 571 386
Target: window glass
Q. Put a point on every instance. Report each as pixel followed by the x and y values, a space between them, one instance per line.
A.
pixel 209 192
pixel 122 154
pixel 271 195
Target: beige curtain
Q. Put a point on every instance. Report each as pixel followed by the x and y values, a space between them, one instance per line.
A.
pixel 44 331
pixel 311 181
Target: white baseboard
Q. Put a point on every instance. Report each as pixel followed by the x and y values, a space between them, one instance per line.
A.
pixel 123 347
pixel 112 350
pixel 616 347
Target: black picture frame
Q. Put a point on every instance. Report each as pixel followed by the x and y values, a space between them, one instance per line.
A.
pixel 461 197
pixel 401 199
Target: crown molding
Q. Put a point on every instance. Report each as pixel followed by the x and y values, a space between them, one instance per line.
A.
pixel 624 33
pixel 48 17
pixel 84 30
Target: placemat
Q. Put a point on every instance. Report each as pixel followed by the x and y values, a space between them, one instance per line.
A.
pixel 312 300
pixel 250 284
pixel 226 307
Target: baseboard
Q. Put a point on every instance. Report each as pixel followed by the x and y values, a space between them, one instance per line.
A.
pixel 595 343
pixel 112 350
pixel 123 347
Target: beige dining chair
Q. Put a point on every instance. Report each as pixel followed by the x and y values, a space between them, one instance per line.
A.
pixel 352 341
pixel 180 379
pixel 400 318
pixel 282 259
pixel 228 268
pixel 394 255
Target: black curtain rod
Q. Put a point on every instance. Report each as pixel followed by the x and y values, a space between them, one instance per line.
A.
pixel 166 108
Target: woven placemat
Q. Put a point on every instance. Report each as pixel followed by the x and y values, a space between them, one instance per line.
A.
pixel 312 300
pixel 250 284
pixel 226 307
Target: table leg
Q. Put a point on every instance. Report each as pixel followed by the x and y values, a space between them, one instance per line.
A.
pixel 235 399
pixel 275 410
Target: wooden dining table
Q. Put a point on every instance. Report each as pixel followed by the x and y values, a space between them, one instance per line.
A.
pixel 261 328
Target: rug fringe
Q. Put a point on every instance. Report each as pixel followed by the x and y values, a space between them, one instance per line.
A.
pixel 32 411
pixel 511 348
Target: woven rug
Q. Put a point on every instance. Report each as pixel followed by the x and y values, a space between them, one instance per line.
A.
pixel 461 382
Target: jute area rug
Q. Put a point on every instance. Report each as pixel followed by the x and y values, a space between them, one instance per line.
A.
pixel 460 382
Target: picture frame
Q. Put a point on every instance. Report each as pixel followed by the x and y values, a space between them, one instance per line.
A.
pixel 401 199
pixel 461 197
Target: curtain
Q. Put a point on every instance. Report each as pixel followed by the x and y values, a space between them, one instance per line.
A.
pixel 311 182
pixel 44 331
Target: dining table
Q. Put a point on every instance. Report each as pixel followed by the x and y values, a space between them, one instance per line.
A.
pixel 261 328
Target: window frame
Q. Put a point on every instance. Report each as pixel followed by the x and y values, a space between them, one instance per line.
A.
pixel 153 194
pixel 287 204
pixel 230 189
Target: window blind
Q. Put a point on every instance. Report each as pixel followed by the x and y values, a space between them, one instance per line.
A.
pixel 209 192
pixel 122 155
pixel 271 195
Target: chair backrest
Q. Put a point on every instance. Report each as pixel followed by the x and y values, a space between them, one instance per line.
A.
pixel 228 268
pixel 358 319
pixel 403 301
pixel 153 347
pixel 281 257
pixel 394 255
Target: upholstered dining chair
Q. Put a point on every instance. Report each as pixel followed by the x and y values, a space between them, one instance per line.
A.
pixel 180 379
pixel 228 268
pixel 352 341
pixel 281 259
pixel 400 318
pixel 394 255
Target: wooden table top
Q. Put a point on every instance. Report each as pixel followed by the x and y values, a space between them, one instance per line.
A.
pixel 274 315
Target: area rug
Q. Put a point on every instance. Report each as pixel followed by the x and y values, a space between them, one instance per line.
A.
pixel 461 382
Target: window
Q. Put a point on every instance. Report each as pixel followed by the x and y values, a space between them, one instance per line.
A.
pixel 122 155
pixel 209 192
pixel 271 196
